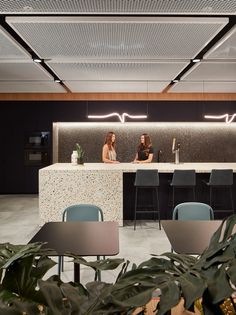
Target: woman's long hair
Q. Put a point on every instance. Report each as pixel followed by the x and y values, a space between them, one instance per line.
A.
pixel 147 143
pixel 108 140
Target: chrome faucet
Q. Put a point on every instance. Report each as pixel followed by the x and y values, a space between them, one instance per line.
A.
pixel 175 150
pixel 177 154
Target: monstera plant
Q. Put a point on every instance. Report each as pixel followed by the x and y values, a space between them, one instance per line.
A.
pixel 210 278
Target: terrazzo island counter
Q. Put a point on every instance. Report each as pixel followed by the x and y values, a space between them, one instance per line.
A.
pixel 62 184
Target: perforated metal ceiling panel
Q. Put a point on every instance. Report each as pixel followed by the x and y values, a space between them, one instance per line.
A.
pixel 212 71
pixel 225 48
pixel 31 87
pixel 118 71
pixel 119 6
pixel 206 87
pixel 24 70
pixel 9 48
pixel 115 86
pixel 120 37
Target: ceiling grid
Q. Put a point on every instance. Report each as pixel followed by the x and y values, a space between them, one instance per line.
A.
pixel 136 46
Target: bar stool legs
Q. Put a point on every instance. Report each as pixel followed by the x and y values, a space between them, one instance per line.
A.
pixel 221 178
pixel 147 179
pixel 155 205
pixel 185 179
pixel 173 194
pixel 231 198
pixel 135 207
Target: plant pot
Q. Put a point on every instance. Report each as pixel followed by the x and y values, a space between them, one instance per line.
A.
pixel 80 161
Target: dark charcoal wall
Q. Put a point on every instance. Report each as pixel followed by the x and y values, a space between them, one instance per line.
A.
pixel 19 118
pixel 199 142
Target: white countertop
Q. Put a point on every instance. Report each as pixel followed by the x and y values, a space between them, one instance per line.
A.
pixel 131 167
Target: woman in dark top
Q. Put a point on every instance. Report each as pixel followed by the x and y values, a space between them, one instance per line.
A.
pixel 145 150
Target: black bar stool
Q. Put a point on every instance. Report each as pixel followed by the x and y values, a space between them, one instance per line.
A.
pixel 183 179
pixel 219 179
pixel 147 179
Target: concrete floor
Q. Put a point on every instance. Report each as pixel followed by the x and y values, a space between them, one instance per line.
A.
pixel 19 222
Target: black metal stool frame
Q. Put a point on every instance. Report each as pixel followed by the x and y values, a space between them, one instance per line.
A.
pixel 147 179
pixel 221 178
pixel 183 179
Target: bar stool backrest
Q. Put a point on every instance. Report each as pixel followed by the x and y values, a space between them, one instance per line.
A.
pixel 146 178
pixel 192 211
pixel 184 178
pixel 82 212
pixel 221 177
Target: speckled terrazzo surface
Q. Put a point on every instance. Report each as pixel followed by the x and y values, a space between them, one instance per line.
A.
pixel 62 184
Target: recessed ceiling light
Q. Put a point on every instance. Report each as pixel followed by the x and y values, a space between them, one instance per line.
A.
pixel 195 60
pixel 175 81
pixel 37 60
pixel 57 81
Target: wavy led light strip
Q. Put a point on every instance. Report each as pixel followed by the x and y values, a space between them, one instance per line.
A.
pixel 121 117
pixel 228 118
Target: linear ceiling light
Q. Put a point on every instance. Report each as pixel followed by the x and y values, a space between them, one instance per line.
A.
pixel 228 118
pixel 121 117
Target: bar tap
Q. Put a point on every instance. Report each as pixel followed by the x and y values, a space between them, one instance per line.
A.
pixel 175 150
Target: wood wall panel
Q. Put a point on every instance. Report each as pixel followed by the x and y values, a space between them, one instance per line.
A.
pixel 118 96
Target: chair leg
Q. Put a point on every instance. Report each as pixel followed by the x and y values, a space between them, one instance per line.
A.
pixel 194 194
pixel 173 197
pixel 154 202
pixel 231 198
pixel 97 276
pixel 59 265
pixel 135 207
pixel 211 196
pixel 98 273
pixel 158 208
pixel 62 263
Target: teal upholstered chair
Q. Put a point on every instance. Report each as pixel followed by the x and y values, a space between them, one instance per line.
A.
pixel 80 212
pixel 193 211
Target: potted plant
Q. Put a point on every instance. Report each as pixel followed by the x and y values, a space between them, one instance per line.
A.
pixel 80 153
pixel 210 278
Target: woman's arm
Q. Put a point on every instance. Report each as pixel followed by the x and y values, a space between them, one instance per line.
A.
pixel 149 159
pixel 136 158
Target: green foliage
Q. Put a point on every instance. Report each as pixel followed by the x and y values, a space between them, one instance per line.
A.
pixel 209 276
pixel 79 150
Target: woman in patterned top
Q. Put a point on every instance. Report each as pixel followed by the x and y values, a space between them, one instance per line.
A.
pixel 108 151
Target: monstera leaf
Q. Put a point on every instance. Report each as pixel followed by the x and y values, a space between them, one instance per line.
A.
pixel 210 276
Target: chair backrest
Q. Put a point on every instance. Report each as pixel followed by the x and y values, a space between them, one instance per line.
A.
pixel 221 177
pixel 82 212
pixel 184 178
pixel 147 178
pixel 192 211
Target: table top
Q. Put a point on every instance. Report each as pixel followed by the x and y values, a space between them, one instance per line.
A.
pixel 132 167
pixel 190 237
pixel 80 238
